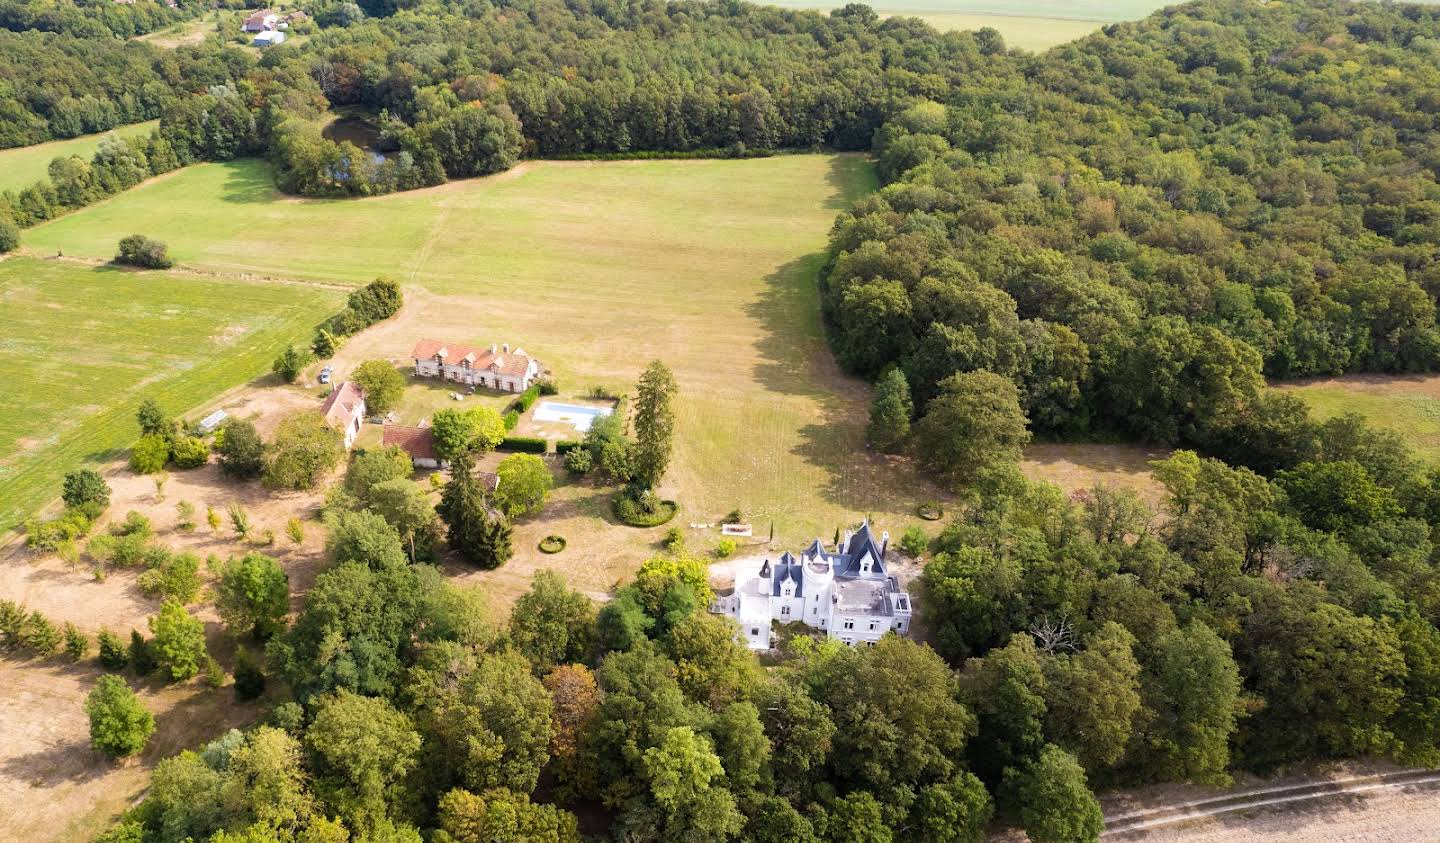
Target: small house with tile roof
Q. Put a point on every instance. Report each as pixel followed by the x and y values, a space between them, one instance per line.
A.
pixel 418 442
pixel 344 410
pixel 497 367
pixel 261 20
pixel 846 592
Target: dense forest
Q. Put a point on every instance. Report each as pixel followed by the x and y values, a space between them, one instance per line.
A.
pixel 1123 237
pixel 95 18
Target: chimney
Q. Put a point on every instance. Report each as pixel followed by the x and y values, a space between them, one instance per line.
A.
pixel 884 543
pixel 506 346
pixel 493 349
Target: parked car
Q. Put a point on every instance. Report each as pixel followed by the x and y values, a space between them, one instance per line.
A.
pixel 325 374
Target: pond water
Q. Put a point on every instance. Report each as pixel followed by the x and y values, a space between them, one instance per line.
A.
pixel 573 414
pixel 361 131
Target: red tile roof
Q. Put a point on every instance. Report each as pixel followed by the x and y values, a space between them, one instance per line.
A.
pixel 510 363
pixel 418 442
pixel 342 404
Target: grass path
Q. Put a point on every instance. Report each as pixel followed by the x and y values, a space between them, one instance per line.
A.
pixel 22 166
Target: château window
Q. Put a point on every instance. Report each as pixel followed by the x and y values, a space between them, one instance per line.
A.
pixel 849 624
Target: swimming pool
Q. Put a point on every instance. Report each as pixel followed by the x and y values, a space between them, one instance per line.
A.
pixel 573 414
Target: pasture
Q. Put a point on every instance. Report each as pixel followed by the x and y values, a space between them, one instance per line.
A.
pixel 595 268
pixel 1033 25
pixel 1406 404
pixel 84 345
pixel 22 166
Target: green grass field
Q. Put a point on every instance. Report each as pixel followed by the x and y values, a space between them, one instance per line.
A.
pixel 596 268
pixel 24 165
pixel 1029 24
pixel 82 346
pixel 1406 404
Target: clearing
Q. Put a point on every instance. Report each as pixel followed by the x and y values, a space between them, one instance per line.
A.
pixel 184 34
pixel 84 345
pixel 22 166
pixel 1406 404
pixel 1033 25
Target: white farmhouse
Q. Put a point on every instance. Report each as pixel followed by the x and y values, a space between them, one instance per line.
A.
pixel 846 592
pixel 344 410
pixel 497 368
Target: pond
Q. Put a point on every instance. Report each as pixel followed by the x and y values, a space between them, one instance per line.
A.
pixel 361 131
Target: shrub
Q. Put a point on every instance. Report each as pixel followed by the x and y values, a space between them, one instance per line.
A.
pixel 113 655
pixel 149 454
pixel 249 677
pixel 565 446
pixel 734 517
pixel 185 516
pixel 511 418
pixel 213 673
pixel 600 393
pixel 76 643
pixel 134 524
pixel 190 452
pixel 930 511
pixel 578 461
pixel 914 541
pixel 85 486
pixel 212 518
pixel 524 444
pixel 142 654
pixel 138 250
pixel 674 540
pixel 725 548
pixel 295 530
pixel 119 725
pixel 49 535
pixel 176 575
pixel 239 520
pixel 39 635
pixel 642 508
pixel 12 618
pixel 290 363
pixel 547 386
pixel 128 551
pixel 9 235
pixel 526 399
pixel 552 544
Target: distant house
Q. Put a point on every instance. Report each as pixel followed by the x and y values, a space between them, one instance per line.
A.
pixel 846 592
pixel 269 38
pixel 296 17
pixel 260 21
pixel 418 442
pixel 344 410
pixel 496 368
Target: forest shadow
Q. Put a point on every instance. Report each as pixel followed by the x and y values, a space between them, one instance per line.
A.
pixel 247 182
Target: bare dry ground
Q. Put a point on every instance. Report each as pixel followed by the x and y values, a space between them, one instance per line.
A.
pixel 53 786
pixel 1075 467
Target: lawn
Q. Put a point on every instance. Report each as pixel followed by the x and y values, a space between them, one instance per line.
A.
pixel 83 345
pixel 22 166
pixel 1029 24
pixel 1406 404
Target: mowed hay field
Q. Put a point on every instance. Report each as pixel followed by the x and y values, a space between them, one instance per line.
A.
pixel 83 345
pixel 1406 404
pixel 1033 25
pixel 595 268
pixel 22 166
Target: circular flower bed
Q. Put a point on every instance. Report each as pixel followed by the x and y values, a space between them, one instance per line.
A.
pixel 930 511
pixel 552 544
